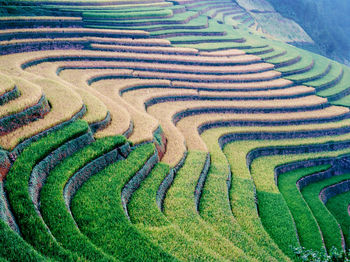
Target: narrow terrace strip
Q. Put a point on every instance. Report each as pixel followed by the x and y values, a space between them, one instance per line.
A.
pixel 147 217
pixel 114 233
pixel 53 204
pixel 10 34
pixel 180 209
pixel 120 119
pixel 214 207
pixel 6 85
pixel 14 248
pixel 62 110
pixel 278 222
pixel 173 68
pixel 333 236
pixel 144 124
pixel 307 227
pixel 30 95
pixel 338 206
pixel 87 55
pixel 34 230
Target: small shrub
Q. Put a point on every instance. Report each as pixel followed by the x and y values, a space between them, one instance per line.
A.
pixel 334 255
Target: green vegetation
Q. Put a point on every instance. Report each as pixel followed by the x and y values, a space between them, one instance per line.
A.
pixel 328 224
pixel 147 217
pixel 311 255
pixel 53 206
pixel 33 228
pixel 98 211
pixel 333 74
pixel 128 15
pixel 218 208
pixel 215 208
pixel 14 248
pixel 339 87
pixel 180 209
pixel 338 206
pixel 309 234
pixel 176 18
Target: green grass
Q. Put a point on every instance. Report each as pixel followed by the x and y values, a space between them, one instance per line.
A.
pixel 278 221
pixel 32 227
pixel 309 234
pixel 341 86
pixel 277 51
pixel 334 73
pixel 147 217
pixel 180 209
pixel 200 21
pixel 175 18
pixel 291 54
pixel 253 51
pixel 319 68
pixel 241 198
pixel 328 224
pixel 127 15
pixel 215 208
pixel 338 206
pixel 213 27
pixel 242 190
pixel 14 248
pixel 98 211
pixel 53 206
pixel 305 61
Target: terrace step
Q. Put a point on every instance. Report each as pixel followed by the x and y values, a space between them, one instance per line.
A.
pixel 23 33
pixel 37 21
pixel 309 233
pixel 333 235
pixel 180 202
pixel 8 90
pixel 147 217
pixel 76 168
pixel 41 44
pixel 338 206
pixel 115 177
pixel 61 111
pixel 175 19
pixel 19 195
pixel 29 107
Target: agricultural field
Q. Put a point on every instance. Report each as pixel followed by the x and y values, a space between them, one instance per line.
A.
pixel 154 130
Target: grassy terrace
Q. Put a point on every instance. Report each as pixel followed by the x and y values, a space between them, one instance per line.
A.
pixel 179 18
pixel 125 15
pixel 61 111
pixel 179 77
pixel 328 224
pixel 241 179
pixel 32 226
pixel 200 22
pixel 144 124
pixel 180 209
pixel 29 95
pixel 108 227
pixel 93 99
pixel 338 206
pixel 277 221
pixel 53 206
pixel 307 227
pixel 176 148
pixel 145 214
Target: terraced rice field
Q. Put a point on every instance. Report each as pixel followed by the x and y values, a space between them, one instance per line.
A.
pixel 156 130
